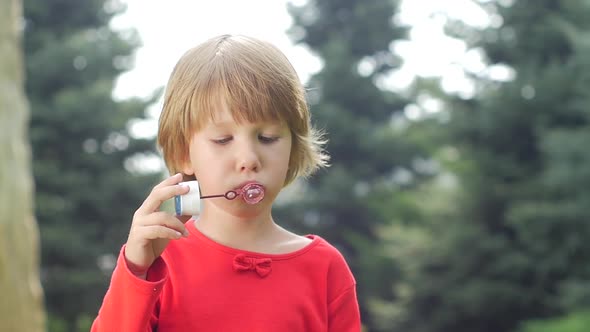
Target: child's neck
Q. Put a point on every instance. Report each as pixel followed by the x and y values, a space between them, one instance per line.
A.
pixel 257 233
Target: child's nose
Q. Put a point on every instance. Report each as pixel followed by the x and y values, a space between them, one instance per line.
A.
pixel 248 160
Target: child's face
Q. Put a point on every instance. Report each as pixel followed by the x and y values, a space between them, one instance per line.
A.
pixel 224 155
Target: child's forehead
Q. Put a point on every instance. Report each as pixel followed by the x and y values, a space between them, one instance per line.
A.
pixel 226 120
pixel 224 112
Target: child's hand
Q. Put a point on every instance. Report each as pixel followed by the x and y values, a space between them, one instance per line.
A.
pixel 152 229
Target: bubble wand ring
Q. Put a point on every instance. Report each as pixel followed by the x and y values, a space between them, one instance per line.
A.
pixel 251 193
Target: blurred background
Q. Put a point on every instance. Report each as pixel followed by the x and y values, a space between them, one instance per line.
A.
pixel 460 180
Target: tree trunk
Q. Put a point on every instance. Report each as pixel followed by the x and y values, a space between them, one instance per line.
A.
pixel 21 295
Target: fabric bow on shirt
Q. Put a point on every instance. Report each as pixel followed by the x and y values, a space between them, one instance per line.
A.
pixel 262 266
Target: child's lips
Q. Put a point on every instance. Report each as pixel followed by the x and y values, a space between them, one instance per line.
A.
pixel 252 192
pixel 244 184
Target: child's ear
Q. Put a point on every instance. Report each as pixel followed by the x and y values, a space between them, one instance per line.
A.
pixel 188 170
pixel 187 167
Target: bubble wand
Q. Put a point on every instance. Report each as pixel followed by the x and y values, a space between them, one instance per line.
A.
pixel 190 203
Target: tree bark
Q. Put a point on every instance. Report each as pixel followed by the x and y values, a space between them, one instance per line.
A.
pixel 21 295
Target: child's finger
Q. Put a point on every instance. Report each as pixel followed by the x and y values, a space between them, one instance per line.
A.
pixel 154 232
pixel 162 219
pixel 173 179
pixel 158 196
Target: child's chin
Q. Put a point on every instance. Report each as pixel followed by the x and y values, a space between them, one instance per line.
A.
pixel 247 211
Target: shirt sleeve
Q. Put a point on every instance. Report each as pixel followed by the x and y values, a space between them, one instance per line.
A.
pixel 344 315
pixel 343 308
pixel 130 303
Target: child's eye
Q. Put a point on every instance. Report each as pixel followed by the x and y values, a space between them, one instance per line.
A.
pixel 222 141
pixel 267 139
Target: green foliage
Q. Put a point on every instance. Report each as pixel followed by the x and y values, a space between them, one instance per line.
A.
pixel 85 192
pixel 575 322
pixel 83 324
pixel 374 163
pixel 515 249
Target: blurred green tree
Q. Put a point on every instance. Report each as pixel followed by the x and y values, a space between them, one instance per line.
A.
pixel 516 248
pixel 574 322
pixel 372 161
pixel 86 171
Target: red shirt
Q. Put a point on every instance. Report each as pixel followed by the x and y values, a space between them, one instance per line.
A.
pixel 200 285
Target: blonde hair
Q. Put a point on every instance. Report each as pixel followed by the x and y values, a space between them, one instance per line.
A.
pixel 256 82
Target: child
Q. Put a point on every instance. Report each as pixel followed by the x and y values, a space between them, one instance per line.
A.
pixel 234 114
